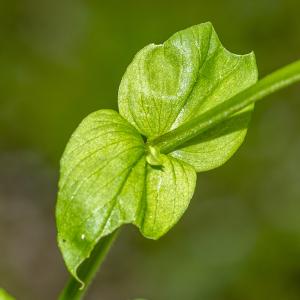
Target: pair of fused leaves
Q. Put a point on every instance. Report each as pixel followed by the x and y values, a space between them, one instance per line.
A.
pixel 109 176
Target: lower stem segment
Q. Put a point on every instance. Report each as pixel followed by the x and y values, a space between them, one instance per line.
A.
pixel 88 270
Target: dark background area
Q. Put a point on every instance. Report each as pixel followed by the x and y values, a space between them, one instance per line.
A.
pixel 61 60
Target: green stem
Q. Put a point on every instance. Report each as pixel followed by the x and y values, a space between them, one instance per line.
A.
pixel 87 271
pixel 266 86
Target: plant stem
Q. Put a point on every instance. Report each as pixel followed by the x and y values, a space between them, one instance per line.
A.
pixel 266 86
pixel 87 271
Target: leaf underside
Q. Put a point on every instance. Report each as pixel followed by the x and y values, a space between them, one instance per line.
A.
pixel 105 182
pixel 109 177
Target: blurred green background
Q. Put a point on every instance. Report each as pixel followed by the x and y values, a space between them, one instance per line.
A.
pixel 62 59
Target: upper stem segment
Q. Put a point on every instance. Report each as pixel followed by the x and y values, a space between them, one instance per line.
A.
pixel 268 85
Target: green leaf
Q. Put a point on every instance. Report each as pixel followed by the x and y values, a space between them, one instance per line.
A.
pixel 110 177
pixel 4 295
pixel 105 182
pixel 167 85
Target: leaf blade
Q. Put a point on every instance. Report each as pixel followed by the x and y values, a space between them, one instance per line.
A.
pixel 93 184
pixel 157 98
pixel 102 186
pixel 105 182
